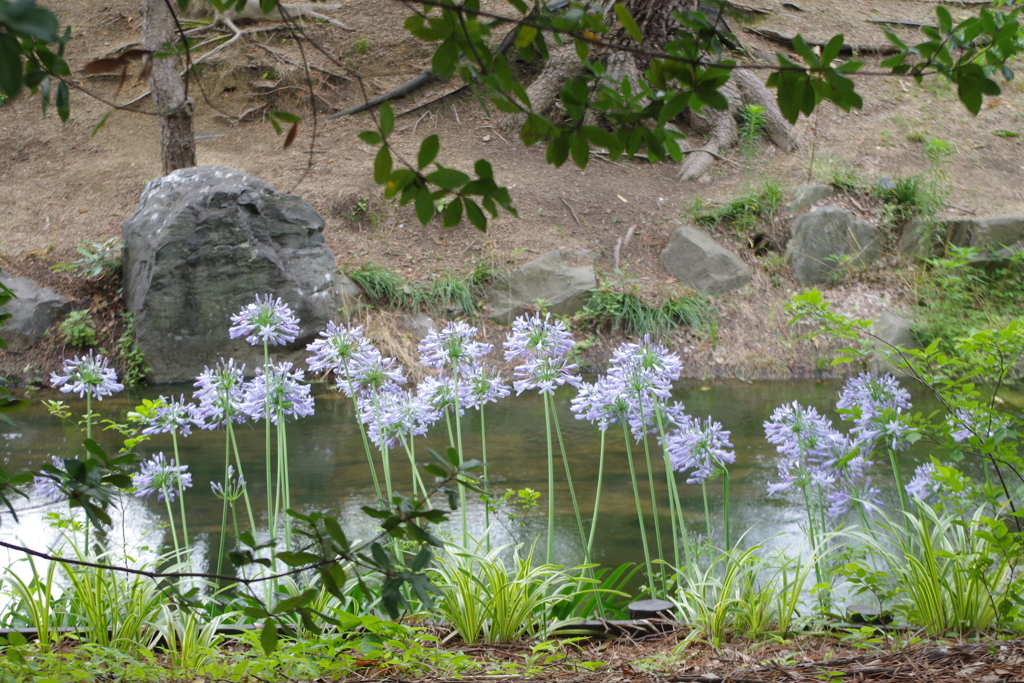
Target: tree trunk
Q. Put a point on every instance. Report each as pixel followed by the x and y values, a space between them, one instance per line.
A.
pixel 177 141
pixel 654 17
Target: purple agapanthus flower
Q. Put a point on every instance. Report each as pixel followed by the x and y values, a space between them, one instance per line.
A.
pixel 371 372
pixel 337 349
pixel 173 416
pixel 646 363
pixel 89 374
pixel 876 405
pixel 805 439
pixel 535 338
pixel 158 476
pixel 231 489
pixel 603 403
pixel 544 375
pixel 440 393
pixel 453 349
pixel 46 486
pixel 267 320
pixel 485 386
pixel 220 395
pixel 703 447
pixel 923 486
pixel 395 414
pixel 965 424
pixel 280 393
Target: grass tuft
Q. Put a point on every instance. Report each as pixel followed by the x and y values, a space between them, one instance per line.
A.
pixel 744 212
pixel 626 313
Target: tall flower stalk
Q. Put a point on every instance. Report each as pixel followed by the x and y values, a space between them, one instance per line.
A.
pixel 158 476
pixel 541 344
pixel 173 416
pixel 219 392
pixel 88 376
pixel 268 322
pixel 703 450
pixel 455 352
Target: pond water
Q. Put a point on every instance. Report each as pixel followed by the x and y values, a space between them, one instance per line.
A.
pixel 328 470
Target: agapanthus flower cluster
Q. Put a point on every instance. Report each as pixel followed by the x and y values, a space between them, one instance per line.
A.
pixel 923 486
pixel 440 393
pixel 161 477
pixel 876 405
pixel 220 394
pixel 338 350
pixel 232 489
pixel 702 447
pixel 965 424
pixel 173 416
pixel 541 344
pixel 279 393
pixel 452 349
pixel 396 413
pixel 814 453
pixel 484 385
pixel 603 403
pixel 89 374
pixel 267 320
pixel 46 486
pixel 372 372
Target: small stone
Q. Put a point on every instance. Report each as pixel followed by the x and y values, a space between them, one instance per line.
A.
pixel 651 609
pixel 698 261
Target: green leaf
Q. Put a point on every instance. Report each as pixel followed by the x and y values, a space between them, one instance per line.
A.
pixel 448 178
pixel 1006 133
pixel 10 65
pixel 628 22
pixel 26 18
pixel 296 559
pixel 382 166
pixel 424 205
pixel 99 126
pixel 972 84
pixel 579 149
pixel 443 61
pixel 63 101
pixel 483 169
pixel 286 117
pixel 525 36
pixel 453 213
pixel 387 119
pixel 945 19
pixel 475 215
pixel 268 6
pixel 428 151
pixel 268 636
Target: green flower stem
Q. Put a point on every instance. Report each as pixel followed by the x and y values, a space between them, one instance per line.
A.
pixel 385 453
pixel 271 508
pixel 568 479
pixel 551 484
pixel 675 506
pixel 707 510
pixel 654 506
pixel 639 506
pixel 725 507
pixel 487 489
pixel 224 510
pixel 238 466
pixel 409 443
pixel 898 476
pixel 283 475
pixel 362 433
pixel 181 491
pixel 170 519
pixel 462 489
pixel 597 497
pixel 811 532
pixel 88 414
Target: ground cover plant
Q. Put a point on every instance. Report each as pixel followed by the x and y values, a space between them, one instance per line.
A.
pixel 941 558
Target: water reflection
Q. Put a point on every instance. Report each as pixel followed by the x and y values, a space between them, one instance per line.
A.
pixel 328 470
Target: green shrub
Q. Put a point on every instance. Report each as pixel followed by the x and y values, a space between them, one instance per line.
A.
pixel 97 258
pixel 450 294
pixel 386 287
pixel 744 212
pixel 131 358
pixel 626 313
pixel 78 329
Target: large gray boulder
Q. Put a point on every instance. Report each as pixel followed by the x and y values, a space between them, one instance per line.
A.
pixel 891 330
pixel 563 280
pixel 204 242
pixel 931 239
pixel 806 196
pixel 699 262
pixel 826 240
pixel 33 311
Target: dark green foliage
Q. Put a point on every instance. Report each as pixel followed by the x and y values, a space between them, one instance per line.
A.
pixel 626 313
pixel 128 353
pixel 745 211
pixel 386 287
pixel 451 294
pixel 959 294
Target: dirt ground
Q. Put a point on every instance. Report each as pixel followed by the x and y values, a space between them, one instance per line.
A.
pixel 63 185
